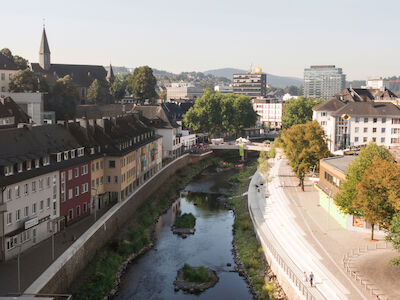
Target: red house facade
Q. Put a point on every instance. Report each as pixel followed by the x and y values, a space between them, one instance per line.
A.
pixel 75 192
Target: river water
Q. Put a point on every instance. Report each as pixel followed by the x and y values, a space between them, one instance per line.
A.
pixel 152 275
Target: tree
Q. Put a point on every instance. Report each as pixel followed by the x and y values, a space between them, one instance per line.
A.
pixel 141 84
pixel 244 115
pixel 24 81
pixel 163 95
pixel 378 191
pixel 118 89
pixel 21 62
pixel 298 111
pixel 304 145
pixel 63 99
pixel 96 93
pixel 7 53
pixel 394 236
pixel 355 171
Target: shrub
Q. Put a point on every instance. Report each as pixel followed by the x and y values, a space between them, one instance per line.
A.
pixel 195 274
pixel 185 221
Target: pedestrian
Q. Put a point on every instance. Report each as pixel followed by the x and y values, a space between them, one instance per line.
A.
pixel 311 278
pixel 305 277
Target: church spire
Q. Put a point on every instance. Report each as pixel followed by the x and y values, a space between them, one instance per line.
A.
pixel 110 74
pixel 44 52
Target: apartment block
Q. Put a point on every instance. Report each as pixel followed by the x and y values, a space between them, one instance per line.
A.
pixel 323 81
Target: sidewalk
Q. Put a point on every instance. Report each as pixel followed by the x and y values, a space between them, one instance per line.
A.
pixel 310 237
pixel 35 260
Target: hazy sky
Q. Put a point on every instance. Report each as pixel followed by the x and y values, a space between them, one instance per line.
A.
pixel 281 36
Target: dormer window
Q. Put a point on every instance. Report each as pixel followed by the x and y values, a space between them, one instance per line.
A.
pixel 65 155
pixel 8 170
pixel 73 153
pixel 19 167
pixel 46 160
pixel 81 151
pixel 37 163
pixel 92 150
pixel 58 157
pixel 28 165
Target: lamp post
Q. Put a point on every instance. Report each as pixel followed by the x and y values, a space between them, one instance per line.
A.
pixel 19 268
pixel 95 202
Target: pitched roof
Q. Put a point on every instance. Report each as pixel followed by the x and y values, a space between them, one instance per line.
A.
pixel 8 108
pixel 6 64
pixel 44 45
pixel 157 116
pixel 332 104
pixel 81 75
pixel 369 109
pixel 95 111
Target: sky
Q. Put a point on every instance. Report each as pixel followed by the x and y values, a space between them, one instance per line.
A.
pixel 282 36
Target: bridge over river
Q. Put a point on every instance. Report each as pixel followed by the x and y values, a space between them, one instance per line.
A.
pixel 234 146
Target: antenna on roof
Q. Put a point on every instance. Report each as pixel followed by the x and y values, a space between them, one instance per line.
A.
pixel 44 23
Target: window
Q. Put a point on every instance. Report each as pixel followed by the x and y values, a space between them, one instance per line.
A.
pixel 111 164
pixel 28 165
pixel 3 76
pixel 26 211
pixel 58 157
pixel 323 114
pixel 76 172
pixel 78 211
pixel 357 120
pixel 92 182
pixel 77 191
pixel 97 165
pixel 80 152
pixel 85 188
pixel 101 180
pixel 92 167
pixel 395 130
pixel 395 121
pixel 84 169
pixel 374 120
pixel 70 215
pixel 365 120
pixel 18 215
pixel 70 194
pixel 356 129
pixel 34 208
pixel 97 181
pixel 33 186
pixel 394 140
pixel 383 130
pixel 356 139
pixel 323 123
pixel 41 207
pixel 115 179
pixel 36 163
pixel 364 139
pixel 374 139
pixel 17 191
pixel 48 181
pixel 365 129
pixel 69 174
pixel 19 167
pixel 101 165
pixel 41 184
pixel 66 155
pixel 9 194
pixel 374 130
pixel 382 140
pixel 383 120
pixel 84 207
pixel 46 160
pixel 73 153
pixel 9 218
pixel 26 188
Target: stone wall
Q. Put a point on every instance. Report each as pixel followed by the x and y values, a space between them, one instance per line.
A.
pixel 59 276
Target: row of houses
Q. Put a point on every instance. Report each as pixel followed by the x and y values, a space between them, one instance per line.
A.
pixel 52 176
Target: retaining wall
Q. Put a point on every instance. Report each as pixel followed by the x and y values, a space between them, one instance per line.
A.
pixel 59 276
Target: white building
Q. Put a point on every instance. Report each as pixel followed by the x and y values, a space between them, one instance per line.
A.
pixel 287 97
pixel 376 83
pixel 31 104
pixel 7 69
pixel 183 91
pixel 223 89
pixel 270 111
pixel 188 139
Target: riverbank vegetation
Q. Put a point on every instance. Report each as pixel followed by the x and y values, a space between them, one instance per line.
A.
pixel 246 243
pixel 99 278
pixel 195 274
pixel 185 221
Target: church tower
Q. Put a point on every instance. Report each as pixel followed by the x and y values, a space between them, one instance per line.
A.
pixel 44 52
pixel 110 75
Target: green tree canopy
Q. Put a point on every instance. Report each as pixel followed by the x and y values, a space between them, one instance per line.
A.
pixel 394 236
pixel 21 62
pixel 378 192
pixel 7 53
pixel 24 81
pixel 355 171
pixel 304 145
pixel 96 93
pixel 298 111
pixel 141 84
pixel 63 99
pixel 118 89
pixel 163 95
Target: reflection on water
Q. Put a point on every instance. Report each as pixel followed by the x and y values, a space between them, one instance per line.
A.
pixel 152 275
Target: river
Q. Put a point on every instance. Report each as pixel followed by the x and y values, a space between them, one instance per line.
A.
pixel 152 275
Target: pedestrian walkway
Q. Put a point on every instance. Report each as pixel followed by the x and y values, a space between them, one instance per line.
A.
pixel 35 260
pixel 310 237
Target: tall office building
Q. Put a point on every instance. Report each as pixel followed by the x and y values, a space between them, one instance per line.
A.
pixel 251 84
pixel 323 81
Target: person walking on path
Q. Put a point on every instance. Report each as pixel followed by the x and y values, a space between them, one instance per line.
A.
pixel 311 278
pixel 305 277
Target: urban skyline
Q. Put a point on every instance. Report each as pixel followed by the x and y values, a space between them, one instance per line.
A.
pixel 181 41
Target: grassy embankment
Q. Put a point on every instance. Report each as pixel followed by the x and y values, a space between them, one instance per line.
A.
pixel 185 221
pixel 99 277
pixel 195 274
pixel 249 248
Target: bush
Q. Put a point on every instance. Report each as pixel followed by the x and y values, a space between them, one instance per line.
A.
pixel 185 221
pixel 195 274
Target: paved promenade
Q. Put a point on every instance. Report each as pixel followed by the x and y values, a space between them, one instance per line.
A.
pixel 311 239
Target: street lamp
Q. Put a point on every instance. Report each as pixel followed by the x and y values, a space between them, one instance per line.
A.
pixel 95 202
